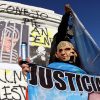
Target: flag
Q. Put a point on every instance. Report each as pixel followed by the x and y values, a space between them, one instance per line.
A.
pixel 87 48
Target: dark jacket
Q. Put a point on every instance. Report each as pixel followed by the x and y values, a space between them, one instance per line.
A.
pixel 61 35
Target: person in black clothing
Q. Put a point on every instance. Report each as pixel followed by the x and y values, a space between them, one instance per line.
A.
pixel 61 35
pixel 64 33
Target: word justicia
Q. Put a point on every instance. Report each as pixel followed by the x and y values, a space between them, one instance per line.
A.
pixel 49 78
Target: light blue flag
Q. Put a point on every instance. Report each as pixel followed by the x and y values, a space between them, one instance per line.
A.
pixel 88 50
pixel 38 92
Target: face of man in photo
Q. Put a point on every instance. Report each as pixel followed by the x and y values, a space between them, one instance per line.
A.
pixel 66 52
pixel 7 43
pixel 9 40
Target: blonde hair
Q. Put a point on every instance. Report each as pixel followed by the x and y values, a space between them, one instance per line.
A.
pixel 64 43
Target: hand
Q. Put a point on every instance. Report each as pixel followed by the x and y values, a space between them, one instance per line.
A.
pixel 25 67
pixel 68 9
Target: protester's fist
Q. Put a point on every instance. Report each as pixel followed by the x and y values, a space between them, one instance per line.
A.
pixel 25 67
pixel 68 9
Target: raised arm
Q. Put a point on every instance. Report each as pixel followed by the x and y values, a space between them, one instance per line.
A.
pixel 61 35
pixel 62 29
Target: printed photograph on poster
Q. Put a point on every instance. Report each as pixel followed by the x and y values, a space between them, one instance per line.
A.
pixel 40 43
pixel 10 38
pixel 40 55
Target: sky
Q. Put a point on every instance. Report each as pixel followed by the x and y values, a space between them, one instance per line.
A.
pixel 86 10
